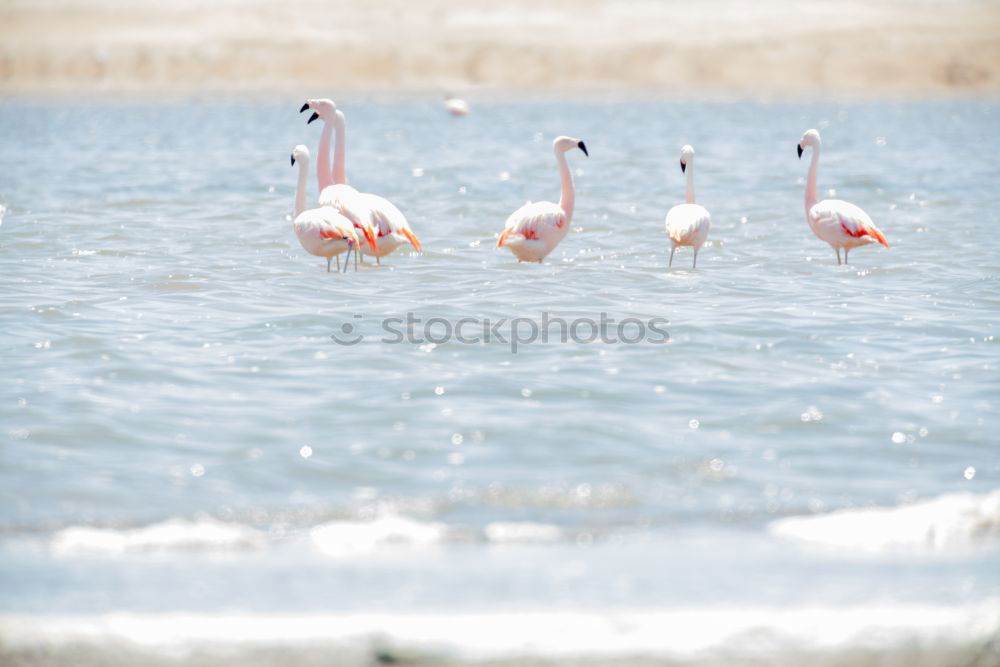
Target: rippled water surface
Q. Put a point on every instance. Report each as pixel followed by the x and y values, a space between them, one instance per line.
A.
pixel 181 434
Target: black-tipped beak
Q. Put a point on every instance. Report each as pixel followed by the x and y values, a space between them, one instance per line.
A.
pixel 304 107
pixel 312 117
pixel 293 160
pixel 799 148
pixel 683 167
pixel 583 147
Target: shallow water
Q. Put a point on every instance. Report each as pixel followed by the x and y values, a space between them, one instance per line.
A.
pixel 181 435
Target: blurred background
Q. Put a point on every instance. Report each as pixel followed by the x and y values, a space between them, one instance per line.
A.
pixel 712 46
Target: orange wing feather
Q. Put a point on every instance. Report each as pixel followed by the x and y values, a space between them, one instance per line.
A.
pixel 866 231
pixel 412 238
pixel 369 236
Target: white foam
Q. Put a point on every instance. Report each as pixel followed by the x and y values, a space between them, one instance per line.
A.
pixel 950 521
pixel 351 538
pixel 676 634
pixel 521 531
pixel 174 534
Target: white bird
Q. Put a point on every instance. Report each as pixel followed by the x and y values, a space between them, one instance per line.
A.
pixel 839 223
pixel 322 231
pixel 535 229
pixel 687 224
pixel 368 212
pixel 456 106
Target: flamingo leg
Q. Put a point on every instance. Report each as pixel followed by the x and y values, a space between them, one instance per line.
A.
pixel 694 264
pixel 378 261
pixel 846 250
pixel 356 253
pixel 671 262
pixel 347 258
pixel 838 255
pixel 328 260
pixel 338 263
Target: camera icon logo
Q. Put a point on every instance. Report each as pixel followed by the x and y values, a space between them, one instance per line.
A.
pixel 347 335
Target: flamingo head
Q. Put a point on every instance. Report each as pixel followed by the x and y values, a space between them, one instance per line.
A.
pixel 687 157
pixel 810 138
pixel 300 152
pixel 563 144
pixel 323 108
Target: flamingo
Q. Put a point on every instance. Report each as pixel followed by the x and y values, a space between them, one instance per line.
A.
pixel 456 106
pixel 535 229
pixel 322 231
pixel 367 211
pixel 688 223
pixel 839 223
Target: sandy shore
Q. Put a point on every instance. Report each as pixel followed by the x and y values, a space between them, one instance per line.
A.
pixel 772 46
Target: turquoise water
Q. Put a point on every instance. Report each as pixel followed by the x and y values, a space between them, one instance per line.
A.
pixel 181 435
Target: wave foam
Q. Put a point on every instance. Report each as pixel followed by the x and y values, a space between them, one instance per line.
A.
pixel 350 538
pixel 521 531
pixel 780 635
pixel 950 521
pixel 174 534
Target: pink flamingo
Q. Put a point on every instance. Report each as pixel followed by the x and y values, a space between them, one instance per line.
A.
pixel 365 210
pixel 839 223
pixel 322 231
pixel 535 229
pixel 687 224
pixel 456 106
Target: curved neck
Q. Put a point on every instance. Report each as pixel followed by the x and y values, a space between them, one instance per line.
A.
pixel 339 168
pixel 690 181
pixel 811 180
pixel 323 157
pixel 300 189
pixel 567 198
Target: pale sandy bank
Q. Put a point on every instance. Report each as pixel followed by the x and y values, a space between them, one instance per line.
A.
pixel 887 47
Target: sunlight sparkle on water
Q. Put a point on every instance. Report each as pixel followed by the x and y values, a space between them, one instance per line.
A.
pixel 812 414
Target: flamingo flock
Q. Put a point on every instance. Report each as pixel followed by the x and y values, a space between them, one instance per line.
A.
pixel 349 221
pixel 382 227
